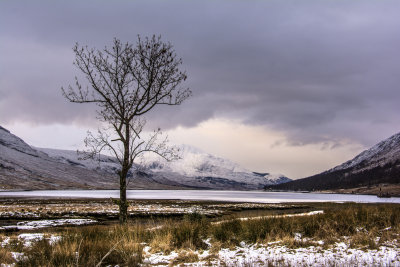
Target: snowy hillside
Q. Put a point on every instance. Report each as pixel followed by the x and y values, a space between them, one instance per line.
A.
pixel 104 163
pixel 196 164
pixel 194 169
pixel 381 154
pixel 13 142
pixel 371 170
pixel 29 167
pixel 25 167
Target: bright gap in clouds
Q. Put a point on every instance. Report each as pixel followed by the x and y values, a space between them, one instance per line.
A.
pixel 259 149
pixel 253 147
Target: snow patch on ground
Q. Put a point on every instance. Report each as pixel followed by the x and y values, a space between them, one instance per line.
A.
pixel 158 258
pixel 311 213
pixel 339 255
pixel 17 256
pixel 29 225
pixel 29 211
pixel 30 238
pixel 261 255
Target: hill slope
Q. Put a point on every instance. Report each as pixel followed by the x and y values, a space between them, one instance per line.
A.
pixel 26 167
pixel 377 165
pixel 195 169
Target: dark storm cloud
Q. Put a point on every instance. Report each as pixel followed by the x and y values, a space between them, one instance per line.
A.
pixel 318 70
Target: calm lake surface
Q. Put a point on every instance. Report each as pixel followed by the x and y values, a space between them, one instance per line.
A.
pixel 234 196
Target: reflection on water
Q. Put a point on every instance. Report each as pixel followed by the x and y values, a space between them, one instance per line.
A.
pixel 236 196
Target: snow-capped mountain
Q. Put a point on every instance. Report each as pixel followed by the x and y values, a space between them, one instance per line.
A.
pixel 194 169
pixel 26 167
pixel 207 170
pixel 383 153
pixel 375 166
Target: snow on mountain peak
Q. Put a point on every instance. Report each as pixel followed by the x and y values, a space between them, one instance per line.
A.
pixel 382 152
pixel 192 162
pixel 195 163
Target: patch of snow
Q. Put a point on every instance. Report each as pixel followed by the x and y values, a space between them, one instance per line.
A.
pixel 311 213
pixel 29 238
pixel 19 214
pixel 298 236
pixel 157 258
pixel 17 255
pixel 5 242
pixel 261 255
pixel 54 239
pixel 339 255
pixel 207 242
pixel 29 225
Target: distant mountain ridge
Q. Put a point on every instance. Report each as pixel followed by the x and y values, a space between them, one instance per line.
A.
pixel 378 165
pixel 26 167
pixel 198 167
pixel 195 169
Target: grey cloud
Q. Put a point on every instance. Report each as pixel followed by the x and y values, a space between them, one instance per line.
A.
pixel 318 70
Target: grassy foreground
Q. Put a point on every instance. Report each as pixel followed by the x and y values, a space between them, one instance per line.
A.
pixel 364 226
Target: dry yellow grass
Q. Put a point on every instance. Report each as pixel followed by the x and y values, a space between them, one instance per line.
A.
pixel 162 242
pixel 362 224
pixel 6 256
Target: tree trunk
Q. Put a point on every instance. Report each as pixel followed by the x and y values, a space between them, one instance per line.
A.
pixel 123 204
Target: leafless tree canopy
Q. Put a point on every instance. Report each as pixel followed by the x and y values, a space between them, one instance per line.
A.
pixel 125 82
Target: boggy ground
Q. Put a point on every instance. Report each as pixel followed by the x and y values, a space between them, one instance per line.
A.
pixel 390 189
pixel 33 213
pixel 201 234
pixel 103 210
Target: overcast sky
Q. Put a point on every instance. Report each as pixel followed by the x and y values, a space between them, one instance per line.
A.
pixel 293 87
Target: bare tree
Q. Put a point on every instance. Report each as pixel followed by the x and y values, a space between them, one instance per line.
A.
pixel 125 82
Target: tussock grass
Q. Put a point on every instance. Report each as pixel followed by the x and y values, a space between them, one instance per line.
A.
pixel 185 257
pixel 361 225
pixel 188 233
pixel 88 246
pixel 359 222
pixel 6 256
